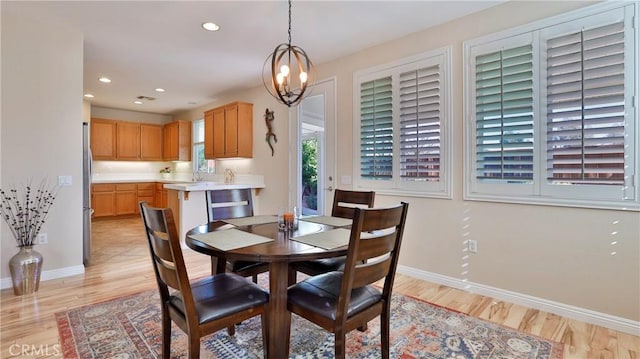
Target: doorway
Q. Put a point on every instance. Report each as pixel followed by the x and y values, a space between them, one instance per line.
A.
pixel 313 133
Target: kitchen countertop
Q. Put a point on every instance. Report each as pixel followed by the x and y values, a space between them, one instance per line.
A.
pixel 207 186
pixel 98 181
pixel 185 186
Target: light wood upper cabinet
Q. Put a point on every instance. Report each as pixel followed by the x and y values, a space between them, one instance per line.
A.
pixel 103 139
pixel 151 142
pixel 230 131
pixel 208 134
pixel 218 134
pixel 177 141
pixel 128 140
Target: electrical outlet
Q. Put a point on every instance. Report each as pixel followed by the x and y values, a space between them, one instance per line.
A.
pixel 473 245
pixel 42 238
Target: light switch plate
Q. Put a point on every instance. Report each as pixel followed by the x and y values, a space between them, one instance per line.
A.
pixel 65 181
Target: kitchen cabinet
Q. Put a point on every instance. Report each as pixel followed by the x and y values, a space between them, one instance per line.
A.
pixel 229 131
pixel 103 200
pixel 151 142
pixel 146 193
pixel 161 195
pixel 208 129
pixel 128 140
pixel 103 139
pixel 177 141
pixel 126 199
pixel 121 199
pixel 219 150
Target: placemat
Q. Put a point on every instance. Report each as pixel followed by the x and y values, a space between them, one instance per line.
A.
pixel 331 221
pixel 253 220
pixel 328 240
pixel 229 239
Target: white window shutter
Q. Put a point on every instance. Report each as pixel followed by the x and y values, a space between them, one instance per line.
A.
pixel 504 115
pixel 420 124
pixel 376 129
pixel 585 106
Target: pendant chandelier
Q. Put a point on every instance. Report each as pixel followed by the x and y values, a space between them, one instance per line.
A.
pixel 286 72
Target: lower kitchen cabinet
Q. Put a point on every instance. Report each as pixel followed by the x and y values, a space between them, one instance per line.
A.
pixel 146 193
pixel 121 199
pixel 126 199
pixel 161 195
pixel 103 200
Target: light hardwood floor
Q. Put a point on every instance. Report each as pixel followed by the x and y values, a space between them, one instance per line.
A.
pixel 121 266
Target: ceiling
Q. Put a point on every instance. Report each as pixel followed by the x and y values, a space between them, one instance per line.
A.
pixel 143 45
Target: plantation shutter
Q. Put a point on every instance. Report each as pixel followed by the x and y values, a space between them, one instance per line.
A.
pixel 420 111
pixel 376 129
pixel 504 115
pixel 585 106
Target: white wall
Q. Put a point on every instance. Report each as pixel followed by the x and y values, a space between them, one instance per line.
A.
pixel 41 120
pixel 529 251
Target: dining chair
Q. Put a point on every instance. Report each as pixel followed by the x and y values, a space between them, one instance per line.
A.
pixel 233 203
pixel 201 307
pixel 340 301
pixel 345 202
pixel 344 205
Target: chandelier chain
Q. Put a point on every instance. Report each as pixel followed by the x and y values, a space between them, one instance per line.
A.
pixel 289 23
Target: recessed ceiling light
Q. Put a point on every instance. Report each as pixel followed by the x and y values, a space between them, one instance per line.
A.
pixel 106 80
pixel 210 26
pixel 137 102
pixel 159 89
pixel 88 95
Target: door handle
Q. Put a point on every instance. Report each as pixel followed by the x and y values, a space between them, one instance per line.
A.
pixel 330 188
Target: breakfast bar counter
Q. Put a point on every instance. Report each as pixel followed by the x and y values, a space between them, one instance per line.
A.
pixel 188 202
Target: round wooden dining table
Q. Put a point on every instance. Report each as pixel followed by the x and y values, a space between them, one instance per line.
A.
pixel 279 252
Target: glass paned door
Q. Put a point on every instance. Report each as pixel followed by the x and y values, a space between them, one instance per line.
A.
pixel 313 130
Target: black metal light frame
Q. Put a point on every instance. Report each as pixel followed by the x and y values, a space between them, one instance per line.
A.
pixel 294 57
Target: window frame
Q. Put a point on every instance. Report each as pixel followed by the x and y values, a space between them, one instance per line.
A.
pixel 195 143
pixel 541 191
pixel 396 185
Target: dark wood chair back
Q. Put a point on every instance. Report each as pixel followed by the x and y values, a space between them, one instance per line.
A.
pixel 344 205
pixel 198 308
pixel 233 203
pixel 342 301
pixel 345 202
pixel 229 203
pixel 166 252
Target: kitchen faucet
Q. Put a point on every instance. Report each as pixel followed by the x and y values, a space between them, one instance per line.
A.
pixel 197 176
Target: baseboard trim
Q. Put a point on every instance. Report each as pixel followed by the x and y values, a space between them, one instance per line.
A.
pixel 48 275
pixel 585 315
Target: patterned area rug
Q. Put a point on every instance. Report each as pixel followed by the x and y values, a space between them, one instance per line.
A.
pixel 130 327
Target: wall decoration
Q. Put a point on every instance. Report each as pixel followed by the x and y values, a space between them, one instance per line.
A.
pixel 268 119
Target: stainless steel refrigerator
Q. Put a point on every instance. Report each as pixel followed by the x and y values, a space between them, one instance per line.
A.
pixel 86 195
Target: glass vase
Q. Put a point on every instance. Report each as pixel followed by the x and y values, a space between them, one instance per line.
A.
pixel 288 219
pixel 25 267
